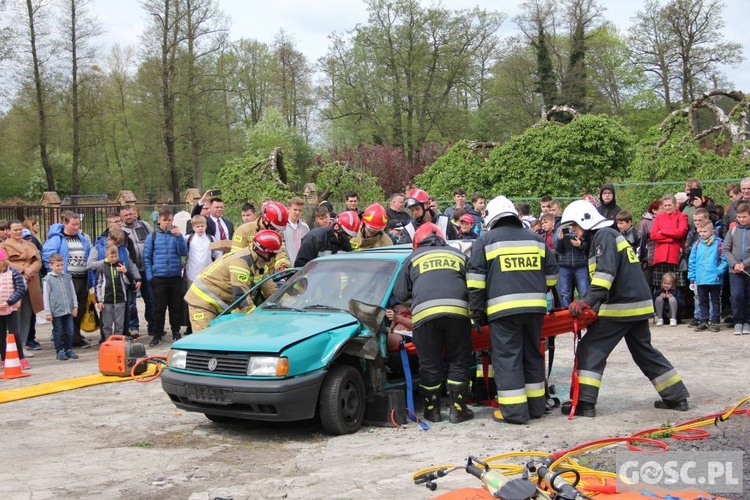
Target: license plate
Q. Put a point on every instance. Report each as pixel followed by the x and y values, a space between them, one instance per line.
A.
pixel 203 394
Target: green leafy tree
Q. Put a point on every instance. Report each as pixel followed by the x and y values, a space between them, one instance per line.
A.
pixel 249 177
pixel 565 160
pixel 334 180
pixel 463 165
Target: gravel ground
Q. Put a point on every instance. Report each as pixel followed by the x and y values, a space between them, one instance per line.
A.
pixel 127 440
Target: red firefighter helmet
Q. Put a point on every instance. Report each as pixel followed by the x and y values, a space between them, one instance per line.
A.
pixel 425 230
pixel 375 217
pixel 417 196
pixel 275 214
pixel 267 241
pixel 349 222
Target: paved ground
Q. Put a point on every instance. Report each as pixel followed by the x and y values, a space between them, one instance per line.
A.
pixel 127 440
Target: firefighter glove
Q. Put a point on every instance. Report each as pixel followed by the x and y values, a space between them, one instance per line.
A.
pixel 479 318
pixel 577 307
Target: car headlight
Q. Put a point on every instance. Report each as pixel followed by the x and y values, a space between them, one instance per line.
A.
pixel 177 358
pixel 267 366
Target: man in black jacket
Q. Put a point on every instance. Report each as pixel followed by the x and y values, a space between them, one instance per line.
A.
pixel 329 239
pixel 217 225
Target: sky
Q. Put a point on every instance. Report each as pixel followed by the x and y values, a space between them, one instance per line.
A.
pixel 310 22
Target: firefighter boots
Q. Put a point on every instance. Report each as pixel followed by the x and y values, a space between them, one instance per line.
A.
pixel 432 405
pixel 459 411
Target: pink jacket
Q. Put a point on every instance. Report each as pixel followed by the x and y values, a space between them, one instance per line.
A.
pixel 668 233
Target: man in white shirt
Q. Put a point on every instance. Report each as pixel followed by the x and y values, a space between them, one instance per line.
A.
pixel 216 225
pixel 296 228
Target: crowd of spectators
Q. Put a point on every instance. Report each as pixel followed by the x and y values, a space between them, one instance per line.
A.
pixel 693 252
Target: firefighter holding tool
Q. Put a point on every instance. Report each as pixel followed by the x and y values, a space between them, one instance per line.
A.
pixel 621 296
pixel 510 271
pixel 227 279
pixel 433 279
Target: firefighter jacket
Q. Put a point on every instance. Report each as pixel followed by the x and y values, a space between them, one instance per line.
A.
pixel 510 270
pixel 379 240
pixel 618 287
pixel 440 220
pixel 433 277
pixel 318 242
pixel 243 237
pixel 229 278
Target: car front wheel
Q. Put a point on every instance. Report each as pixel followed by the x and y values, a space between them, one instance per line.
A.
pixel 342 400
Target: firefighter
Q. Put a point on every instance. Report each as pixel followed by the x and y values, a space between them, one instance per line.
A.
pixel 621 296
pixel 329 239
pixel 510 271
pixel 273 216
pixel 418 203
pixel 433 278
pixel 372 233
pixel 227 279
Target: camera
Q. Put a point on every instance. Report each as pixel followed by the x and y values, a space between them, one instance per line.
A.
pixel 215 192
pixel 695 192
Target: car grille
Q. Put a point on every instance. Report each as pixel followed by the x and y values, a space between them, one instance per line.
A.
pixel 226 364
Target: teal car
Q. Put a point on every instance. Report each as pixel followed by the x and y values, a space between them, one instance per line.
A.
pixel 316 347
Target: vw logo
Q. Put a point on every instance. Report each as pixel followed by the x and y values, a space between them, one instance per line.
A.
pixel 212 363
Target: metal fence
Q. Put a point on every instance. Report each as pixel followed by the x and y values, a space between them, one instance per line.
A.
pixel 93 216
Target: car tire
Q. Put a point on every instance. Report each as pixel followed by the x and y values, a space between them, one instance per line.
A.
pixel 342 400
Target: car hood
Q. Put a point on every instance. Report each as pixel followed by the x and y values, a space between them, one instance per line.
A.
pixel 265 331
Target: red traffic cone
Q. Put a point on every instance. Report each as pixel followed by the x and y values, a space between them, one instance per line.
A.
pixel 12 363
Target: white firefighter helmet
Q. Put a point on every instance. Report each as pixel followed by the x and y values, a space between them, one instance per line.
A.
pixel 585 214
pixel 499 207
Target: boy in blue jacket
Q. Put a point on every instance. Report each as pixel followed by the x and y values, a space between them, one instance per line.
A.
pixel 706 269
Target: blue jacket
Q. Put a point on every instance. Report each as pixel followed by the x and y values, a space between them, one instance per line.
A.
pixel 568 255
pixel 162 255
pixel 707 264
pixel 56 243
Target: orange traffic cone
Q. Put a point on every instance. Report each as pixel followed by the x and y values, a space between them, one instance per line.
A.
pixel 12 363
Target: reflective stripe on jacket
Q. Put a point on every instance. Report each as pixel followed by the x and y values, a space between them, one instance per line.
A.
pixel 433 278
pixel 618 287
pixel 510 270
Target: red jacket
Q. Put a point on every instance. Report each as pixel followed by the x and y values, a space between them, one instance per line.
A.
pixel 668 232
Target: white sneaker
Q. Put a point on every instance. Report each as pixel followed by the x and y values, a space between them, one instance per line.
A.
pixel 745 328
pixel 659 321
pixel 27 352
pixel 672 322
pixel 738 329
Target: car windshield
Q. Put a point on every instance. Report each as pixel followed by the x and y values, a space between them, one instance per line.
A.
pixel 331 283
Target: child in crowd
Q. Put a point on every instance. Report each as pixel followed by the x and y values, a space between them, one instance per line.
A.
pixel 198 244
pixel 536 226
pixel 624 220
pixel 547 232
pixel 322 216
pixel 112 280
pixel 706 269
pixel 12 288
pixel 699 216
pixel 467 227
pixel 4 230
pixel 668 300
pixel 61 305
pixel 736 251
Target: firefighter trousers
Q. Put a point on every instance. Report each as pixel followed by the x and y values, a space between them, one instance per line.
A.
pixel 519 366
pixel 443 339
pixel 601 339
